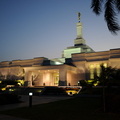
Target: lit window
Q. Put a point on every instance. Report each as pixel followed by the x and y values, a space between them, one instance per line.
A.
pixel 91 71
pixel 98 70
pixel 105 65
pixel 88 50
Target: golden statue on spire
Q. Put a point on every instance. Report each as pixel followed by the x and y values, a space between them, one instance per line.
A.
pixel 78 16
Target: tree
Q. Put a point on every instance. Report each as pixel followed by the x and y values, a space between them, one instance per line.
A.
pixel 116 77
pixel 111 10
pixel 104 78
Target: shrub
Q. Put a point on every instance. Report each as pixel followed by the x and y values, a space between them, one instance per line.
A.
pixel 6 98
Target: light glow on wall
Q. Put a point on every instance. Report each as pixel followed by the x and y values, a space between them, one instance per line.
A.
pixel 51 77
pixel 105 65
pixel 58 63
pixel 68 52
pixel 3 89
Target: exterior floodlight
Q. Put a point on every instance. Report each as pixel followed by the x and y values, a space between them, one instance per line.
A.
pixel 30 94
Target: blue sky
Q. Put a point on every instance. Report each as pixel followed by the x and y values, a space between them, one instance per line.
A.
pixel 44 28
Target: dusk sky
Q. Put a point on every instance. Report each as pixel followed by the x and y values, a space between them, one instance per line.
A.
pixel 44 28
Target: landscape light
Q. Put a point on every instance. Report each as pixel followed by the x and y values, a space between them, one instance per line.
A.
pixel 30 93
pixel 30 99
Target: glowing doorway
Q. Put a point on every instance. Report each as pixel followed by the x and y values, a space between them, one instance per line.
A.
pixel 56 78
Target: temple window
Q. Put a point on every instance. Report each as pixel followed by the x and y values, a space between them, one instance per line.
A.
pixel 91 71
pixel 98 70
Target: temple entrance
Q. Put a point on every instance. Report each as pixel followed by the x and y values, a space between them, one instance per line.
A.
pixel 51 77
pixel 43 77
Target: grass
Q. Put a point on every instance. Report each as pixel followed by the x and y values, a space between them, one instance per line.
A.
pixel 82 108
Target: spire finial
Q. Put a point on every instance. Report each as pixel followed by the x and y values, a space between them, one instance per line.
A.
pixel 78 16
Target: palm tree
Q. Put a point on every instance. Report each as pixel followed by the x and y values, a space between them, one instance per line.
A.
pixel 104 78
pixel 116 77
pixel 111 9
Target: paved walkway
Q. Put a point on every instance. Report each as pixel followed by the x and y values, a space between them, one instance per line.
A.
pixel 35 100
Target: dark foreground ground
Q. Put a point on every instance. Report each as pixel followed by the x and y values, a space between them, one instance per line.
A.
pixel 70 108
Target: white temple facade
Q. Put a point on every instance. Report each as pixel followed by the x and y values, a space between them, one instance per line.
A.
pixel 78 62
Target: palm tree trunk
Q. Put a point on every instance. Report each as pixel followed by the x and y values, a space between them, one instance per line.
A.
pixel 104 100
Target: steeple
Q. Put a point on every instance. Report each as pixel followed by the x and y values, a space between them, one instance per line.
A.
pixel 79 38
pixel 79 43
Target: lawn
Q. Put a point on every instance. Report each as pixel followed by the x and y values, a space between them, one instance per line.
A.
pixel 82 108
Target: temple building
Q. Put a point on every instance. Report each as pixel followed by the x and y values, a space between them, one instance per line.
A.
pixel 78 62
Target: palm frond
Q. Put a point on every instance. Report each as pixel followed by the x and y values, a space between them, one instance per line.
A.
pixel 117 5
pixel 110 17
pixel 96 6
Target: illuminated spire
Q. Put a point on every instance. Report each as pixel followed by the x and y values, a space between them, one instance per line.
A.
pixel 79 38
